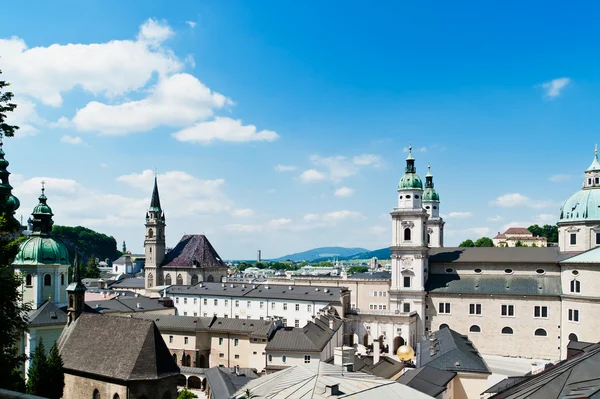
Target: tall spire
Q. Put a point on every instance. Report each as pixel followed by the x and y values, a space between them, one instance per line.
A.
pixel 410 161
pixel 595 166
pixel 155 201
pixel 76 275
pixel 428 177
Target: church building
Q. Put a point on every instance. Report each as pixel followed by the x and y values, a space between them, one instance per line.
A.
pixel 193 259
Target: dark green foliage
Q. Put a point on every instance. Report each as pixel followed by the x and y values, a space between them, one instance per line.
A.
pixel 484 242
pixel 6 106
pixel 91 271
pixel 87 242
pixel 357 269
pixel 467 244
pixel 37 375
pixel 519 244
pixel 548 231
pixel 185 394
pixel 56 375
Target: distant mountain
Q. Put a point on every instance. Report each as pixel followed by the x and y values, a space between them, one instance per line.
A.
pixel 324 253
pixel 382 254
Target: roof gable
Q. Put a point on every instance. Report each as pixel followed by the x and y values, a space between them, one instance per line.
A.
pixel 193 250
pixel 47 315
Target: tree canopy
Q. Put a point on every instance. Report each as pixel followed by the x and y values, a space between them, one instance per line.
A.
pixel 484 242
pixel 467 243
pixel 87 243
pixel 357 269
pixel 6 105
pixel 186 394
pixel 547 230
pixel 45 376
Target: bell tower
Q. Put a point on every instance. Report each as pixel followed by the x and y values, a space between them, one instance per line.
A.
pixel 154 243
pixel 409 247
pixel 76 294
pixel 431 203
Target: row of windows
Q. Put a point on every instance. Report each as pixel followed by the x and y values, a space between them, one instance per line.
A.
pixel 539 312
pixel 540 332
pixel 261 305
pixel 375 306
pixel 284 358
pixel 47 280
pixel 378 293
pixel 573 238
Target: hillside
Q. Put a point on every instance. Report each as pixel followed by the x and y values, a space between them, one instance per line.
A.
pixel 382 254
pixel 87 242
pixel 324 252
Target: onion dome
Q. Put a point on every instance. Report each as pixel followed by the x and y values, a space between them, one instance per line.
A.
pixel 410 180
pixel 8 202
pixel 584 205
pixel 430 194
pixel 40 248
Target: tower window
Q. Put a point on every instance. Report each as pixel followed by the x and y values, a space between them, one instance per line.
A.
pixel 597 238
pixel 47 280
pixel 62 279
pixel 597 180
pixel 408 196
pixel 150 233
pixel 575 286
pixel 28 279
pixel 179 279
pixel 406 282
pixel 407 234
pixel 416 196
pixel 168 279
pixel 434 207
pixel 573 239
pixel 150 280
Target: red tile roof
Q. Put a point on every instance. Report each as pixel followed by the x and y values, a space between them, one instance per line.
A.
pixel 517 230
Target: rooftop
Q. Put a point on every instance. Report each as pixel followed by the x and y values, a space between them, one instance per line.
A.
pixel 133 282
pixel 429 380
pixel 507 284
pixel 311 338
pixel 47 315
pixel 125 304
pixel 537 255
pixel 193 250
pixel 224 382
pixel 450 351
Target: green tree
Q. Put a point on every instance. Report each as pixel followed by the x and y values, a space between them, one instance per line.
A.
pixel 357 269
pixel 6 105
pixel 484 242
pixel 56 375
pixel 547 230
pixel 37 375
pixel 185 394
pixel 467 244
pixel 519 244
pixel 92 270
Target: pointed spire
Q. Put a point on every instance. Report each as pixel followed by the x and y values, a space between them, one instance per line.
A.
pixel 76 275
pixel 410 156
pixel 595 166
pixel 429 177
pixel 42 215
pixel 410 161
pixel 155 201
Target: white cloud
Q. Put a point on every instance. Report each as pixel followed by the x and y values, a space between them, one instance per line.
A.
pixel 25 116
pixel 494 218
pixel 192 24
pixel 559 178
pixel 279 222
pixel 62 123
pixel 472 233
pixel 224 129
pixel 243 212
pixel 311 217
pixel 178 100
pixel 519 200
pixel 541 219
pixel 458 215
pixel 285 168
pixel 333 217
pixel 113 68
pixel 312 175
pixel 554 87
pixel 344 192
pixel 71 140
pixel 546 217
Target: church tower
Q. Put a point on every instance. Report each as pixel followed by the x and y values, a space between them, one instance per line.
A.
pixel 431 202
pixel 154 244
pixel 76 294
pixel 409 247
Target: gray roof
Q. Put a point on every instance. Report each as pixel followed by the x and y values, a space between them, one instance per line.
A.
pixel 496 255
pixel 372 275
pixel 47 315
pixel 507 284
pixel 274 291
pixel 141 353
pixel 451 352
pixel 311 380
pixel 311 338
pixel 576 377
pixel 193 250
pixel 251 327
pixel 506 383
pixel 386 367
pixel 133 282
pixel 123 259
pixel 224 382
pixel 429 380
pixel 121 304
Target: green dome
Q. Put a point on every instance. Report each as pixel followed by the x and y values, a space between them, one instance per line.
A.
pixel 40 250
pixel 582 206
pixel 410 181
pixel 431 195
pixel 12 203
pixel 42 208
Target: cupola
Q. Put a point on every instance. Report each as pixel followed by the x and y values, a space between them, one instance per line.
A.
pixel 430 195
pixel 410 180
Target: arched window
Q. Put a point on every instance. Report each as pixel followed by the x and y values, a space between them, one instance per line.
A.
pixel 62 279
pixel 407 234
pixel 150 280
pixel 28 280
pixel 474 329
pixel 210 278
pixel 47 280
pixel 116 396
pixel 575 286
pixel 150 233
pixel 443 326
pixel 507 330
pixel 428 238
pixel 194 279
pixel 573 337
pixel 70 301
pixel 179 279
pixel 168 279
pixel 185 360
pixel 540 332
pixel 96 394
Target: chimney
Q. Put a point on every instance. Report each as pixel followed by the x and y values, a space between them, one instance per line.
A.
pixel 138 305
pixel 332 390
pixel 376 351
pixel 237 370
pixel 344 357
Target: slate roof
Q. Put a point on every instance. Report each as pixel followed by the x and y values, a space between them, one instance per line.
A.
pixel 121 304
pixel 452 352
pixel 130 283
pixel 429 380
pixel 193 250
pixel 141 354
pixel 372 275
pixel 589 256
pixel 274 291
pixel 576 377
pixel 169 322
pixel 311 338
pixel 307 381
pixel 123 259
pixel 47 315
pixel 258 328
pixel 506 383
pixel 224 382
pixel 386 368
pixel 496 255
pixel 508 284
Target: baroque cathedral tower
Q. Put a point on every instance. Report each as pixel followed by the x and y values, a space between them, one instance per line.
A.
pixel 154 243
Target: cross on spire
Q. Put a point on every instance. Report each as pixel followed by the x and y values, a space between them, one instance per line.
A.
pixel 43 186
pixel 596 149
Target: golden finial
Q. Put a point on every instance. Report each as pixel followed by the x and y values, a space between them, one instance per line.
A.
pixel 596 149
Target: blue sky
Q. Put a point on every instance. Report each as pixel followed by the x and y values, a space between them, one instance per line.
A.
pixel 256 114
